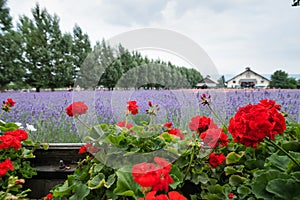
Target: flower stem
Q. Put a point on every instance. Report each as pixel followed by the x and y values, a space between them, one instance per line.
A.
pixel 190 163
pixel 82 122
pixel 217 116
pixel 284 151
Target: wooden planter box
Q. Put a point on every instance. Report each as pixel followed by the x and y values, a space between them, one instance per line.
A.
pixel 53 167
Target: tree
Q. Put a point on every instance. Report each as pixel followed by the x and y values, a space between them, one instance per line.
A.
pixel 10 52
pixel 280 79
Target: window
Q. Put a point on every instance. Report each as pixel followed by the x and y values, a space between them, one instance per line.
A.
pixel 262 81
pixel 233 81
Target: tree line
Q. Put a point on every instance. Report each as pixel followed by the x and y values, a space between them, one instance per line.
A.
pixel 37 54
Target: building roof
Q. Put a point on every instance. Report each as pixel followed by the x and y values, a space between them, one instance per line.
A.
pixel 207 79
pixel 248 70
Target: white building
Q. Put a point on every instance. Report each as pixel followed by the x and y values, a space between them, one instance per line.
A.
pixel 248 79
pixel 207 82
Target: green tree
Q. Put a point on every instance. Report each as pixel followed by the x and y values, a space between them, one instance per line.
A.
pixel 280 79
pixel 10 52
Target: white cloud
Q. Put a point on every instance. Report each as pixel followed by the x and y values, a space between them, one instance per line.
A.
pixel 235 33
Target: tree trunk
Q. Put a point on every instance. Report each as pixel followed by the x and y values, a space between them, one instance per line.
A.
pixel 2 88
pixel 38 89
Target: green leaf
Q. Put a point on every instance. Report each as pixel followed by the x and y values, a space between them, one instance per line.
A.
pixel 291 146
pixel 97 182
pixel 262 178
pixel 230 170
pixel 279 162
pixel 110 181
pixel 81 192
pixel 284 188
pixel 64 190
pixel 243 191
pixel 125 184
pixel 236 180
pixel 232 158
pixel 253 164
pixel 9 127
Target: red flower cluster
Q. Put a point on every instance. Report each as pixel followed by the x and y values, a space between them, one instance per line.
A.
pixel 5 166
pixel 76 109
pixel 215 159
pixel 252 123
pixel 49 196
pixel 88 148
pixel 201 124
pixel 176 132
pixel 132 107
pixel 173 195
pixel 155 176
pixel 213 137
pixel 173 131
pixel 12 139
pixel 8 104
pixel 123 124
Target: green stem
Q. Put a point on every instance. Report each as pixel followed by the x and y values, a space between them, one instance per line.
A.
pixel 217 116
pixel 284 151
pixel 82 122
pixel 190 163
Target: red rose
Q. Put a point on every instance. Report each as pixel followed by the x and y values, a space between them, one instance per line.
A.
pixel 132 107
pixel 5 166
pixel 76 108
pixel 7 141
pixel 230 195
pixel 49 196
pixel 252 123
pixel 123 124
pixel 168 125
pixel 213 136
pixel 10 102
pixel 201 124
pixel 215 159
pixel 20 134
pixel 176 132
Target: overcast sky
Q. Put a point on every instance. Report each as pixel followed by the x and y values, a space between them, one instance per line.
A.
pixel 261 34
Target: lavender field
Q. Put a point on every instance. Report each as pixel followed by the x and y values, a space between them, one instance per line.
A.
pixel 46 110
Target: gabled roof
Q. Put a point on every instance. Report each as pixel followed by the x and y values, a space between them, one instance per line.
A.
pixel 207 79
pixel 248 70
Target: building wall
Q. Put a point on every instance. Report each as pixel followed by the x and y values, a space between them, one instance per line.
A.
pixel 260 81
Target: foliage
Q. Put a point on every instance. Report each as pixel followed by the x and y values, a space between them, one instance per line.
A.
pixel 280 79
pixel 130 162
pixel 14 157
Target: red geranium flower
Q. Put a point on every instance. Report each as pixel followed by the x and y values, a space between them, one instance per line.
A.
pixel 173 195
pixel 213 136
pixel 151 175
pixel 252 123
pixel 7 141
pixel 132 107
pixel 230 195
pixel 10 102
pixel 82 150
pixel 5 166
pixel 49 196
pixel 201 124
pixel 20 134
pixel 216 159
pixel 76 108
pixel 176 132
pixel 168 125
pixel 123 124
